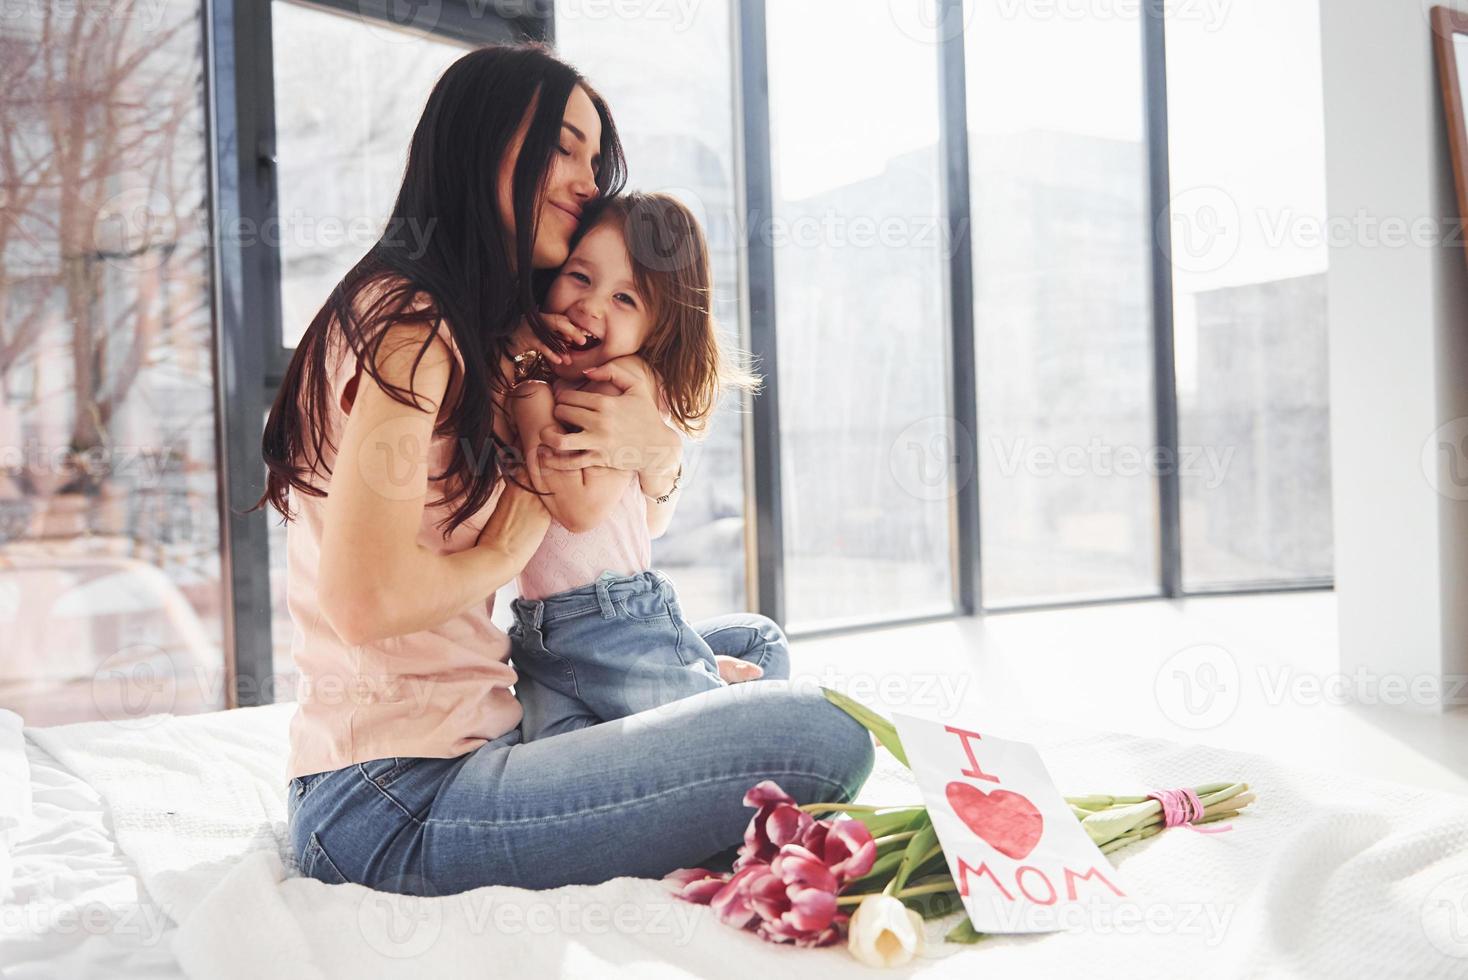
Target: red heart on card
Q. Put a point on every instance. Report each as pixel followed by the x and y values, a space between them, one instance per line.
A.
pixel 1006 821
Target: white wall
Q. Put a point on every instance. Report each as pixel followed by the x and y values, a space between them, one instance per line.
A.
pixel 1398 345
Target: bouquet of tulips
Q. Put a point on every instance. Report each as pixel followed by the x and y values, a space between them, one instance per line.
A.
pixel 874 874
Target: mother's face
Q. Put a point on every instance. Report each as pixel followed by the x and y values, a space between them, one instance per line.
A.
pixel 570 184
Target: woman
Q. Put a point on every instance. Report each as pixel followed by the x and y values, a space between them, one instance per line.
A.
pixel 407 772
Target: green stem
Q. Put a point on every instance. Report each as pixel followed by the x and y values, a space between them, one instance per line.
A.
pixel 928 889
pixel 890 838
pixel 849 807
pixel 1220 810
pixel 1155 828
pixel 904 893
pixel 1084 806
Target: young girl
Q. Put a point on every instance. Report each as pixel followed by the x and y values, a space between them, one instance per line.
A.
pixel 598 634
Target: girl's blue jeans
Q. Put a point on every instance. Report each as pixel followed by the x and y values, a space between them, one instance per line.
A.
pixel 620 646
pixel 642 795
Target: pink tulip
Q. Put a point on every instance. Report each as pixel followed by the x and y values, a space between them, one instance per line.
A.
pixel 814 838
pixel 732 904
pixel 779 821
pixel 787 875
pixel 797 866
pixel 795 898
pixel 826 937
pixel 697 885
pixel 848 850
pixel 765 792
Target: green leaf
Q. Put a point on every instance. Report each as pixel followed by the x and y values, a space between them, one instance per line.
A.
pixel 880 874
pixel 896 843
pixel 919 849
pixel 964 932
pixel 879 726
pixel 890 821
pixel 935 905
pixel 937 862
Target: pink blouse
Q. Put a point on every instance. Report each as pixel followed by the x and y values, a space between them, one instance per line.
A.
pixel 436 693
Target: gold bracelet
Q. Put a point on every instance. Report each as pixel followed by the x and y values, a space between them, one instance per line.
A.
pixel 531 366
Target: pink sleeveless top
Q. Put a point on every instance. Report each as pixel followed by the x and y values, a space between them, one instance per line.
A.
pixel 620 544
pixel 437 693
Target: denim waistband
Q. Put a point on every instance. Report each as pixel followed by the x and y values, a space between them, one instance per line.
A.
pixel 595 596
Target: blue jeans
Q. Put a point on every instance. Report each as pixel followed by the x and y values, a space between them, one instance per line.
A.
pixel 638 796
pixel 620 646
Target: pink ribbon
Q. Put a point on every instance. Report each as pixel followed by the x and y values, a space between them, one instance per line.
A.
pixel 1181 807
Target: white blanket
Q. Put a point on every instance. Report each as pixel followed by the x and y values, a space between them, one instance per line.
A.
pixel 77 907
pixel 190 796
pixel 15 793
pixel 1324 875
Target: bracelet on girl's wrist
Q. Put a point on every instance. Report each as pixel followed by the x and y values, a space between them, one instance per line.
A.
pixel 663 498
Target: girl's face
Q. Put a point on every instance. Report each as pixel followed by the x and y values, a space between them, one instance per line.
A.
pixel 570 184
pixel 596 291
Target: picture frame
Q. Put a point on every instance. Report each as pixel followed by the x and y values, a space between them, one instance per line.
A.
pixel 1450 39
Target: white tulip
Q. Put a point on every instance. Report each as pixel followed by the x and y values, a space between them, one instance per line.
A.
pixel 884 932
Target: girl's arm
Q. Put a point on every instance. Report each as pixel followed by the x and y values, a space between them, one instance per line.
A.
pixel 656 480
pixel 374 580
pixel 578 499
pixel 636 412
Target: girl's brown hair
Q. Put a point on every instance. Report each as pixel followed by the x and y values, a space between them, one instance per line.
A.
pixel 670 265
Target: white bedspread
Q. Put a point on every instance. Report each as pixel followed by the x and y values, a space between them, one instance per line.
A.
pixel 1323 876
pixel 77 908
pixel 15 794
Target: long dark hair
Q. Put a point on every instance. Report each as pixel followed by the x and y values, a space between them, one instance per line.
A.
pixel 457 257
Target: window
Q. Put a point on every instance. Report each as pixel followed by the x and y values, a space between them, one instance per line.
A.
pixel 674 108
pixel 109 511
pixel 1062 308
pixel 1249 260
pixel 348 93
pixel 860 268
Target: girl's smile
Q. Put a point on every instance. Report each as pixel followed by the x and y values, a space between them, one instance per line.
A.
pixel 597 291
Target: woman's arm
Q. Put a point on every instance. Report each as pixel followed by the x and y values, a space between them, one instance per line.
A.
pixel 374 579
pixel 578 499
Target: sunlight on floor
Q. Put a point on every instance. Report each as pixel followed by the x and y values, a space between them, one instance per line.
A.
pixel 1252 673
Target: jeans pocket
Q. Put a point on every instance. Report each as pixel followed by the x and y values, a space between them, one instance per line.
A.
pixel 384 772
pixel 408 783
pixel 316 863
pixel 303 785
pixel 531 657
pixel 647 607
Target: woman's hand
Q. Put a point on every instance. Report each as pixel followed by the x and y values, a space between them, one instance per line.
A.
pixel 624 431
pixel 518 524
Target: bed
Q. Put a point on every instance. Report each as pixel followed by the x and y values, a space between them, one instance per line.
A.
pixel 156 848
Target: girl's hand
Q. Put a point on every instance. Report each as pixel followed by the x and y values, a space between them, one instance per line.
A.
pixel 524 339
pixel 736 671
pixel 624 431
pixel 518 523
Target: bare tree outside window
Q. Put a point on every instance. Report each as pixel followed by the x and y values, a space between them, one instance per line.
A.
pixel 109 543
